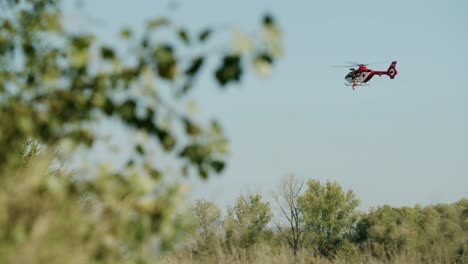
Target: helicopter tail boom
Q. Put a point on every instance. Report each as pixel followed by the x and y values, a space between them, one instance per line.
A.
pixel 391 72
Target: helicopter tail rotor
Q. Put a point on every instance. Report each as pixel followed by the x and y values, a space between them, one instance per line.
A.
pixel 392 71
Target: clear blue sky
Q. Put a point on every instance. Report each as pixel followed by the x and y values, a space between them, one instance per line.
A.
pixel 398 142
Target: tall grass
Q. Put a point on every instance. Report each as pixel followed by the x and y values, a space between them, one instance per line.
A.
pixel 264 253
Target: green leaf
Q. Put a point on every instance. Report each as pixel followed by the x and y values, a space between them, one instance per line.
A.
pixel 265 57
pixel 195 66
pixel 81 42
pixel 191 128
pixel 204 35
pixel 167 140
pixel 126 33
pixel 185 88
pixel 139 149
pixel 217 165
pixel 183 35
pixel 29 49
pixel 196 153
pixel 166 61
pixel 158 22
pixel 202 172
pixel 216 127
pixel 108 106
pixel 127 110
pixel 268 20
pixel 107 53
pixel 229 71
pixel 263 64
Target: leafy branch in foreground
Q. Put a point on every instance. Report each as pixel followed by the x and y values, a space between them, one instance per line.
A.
pixel 54 83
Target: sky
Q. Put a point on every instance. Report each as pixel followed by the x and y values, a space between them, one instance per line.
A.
pixel 399 142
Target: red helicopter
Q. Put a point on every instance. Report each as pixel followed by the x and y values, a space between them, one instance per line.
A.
pixel 361 75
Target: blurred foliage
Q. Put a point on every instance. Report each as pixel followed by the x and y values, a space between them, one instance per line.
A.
pixel 49 217
pixel 52 218
pixel 56 85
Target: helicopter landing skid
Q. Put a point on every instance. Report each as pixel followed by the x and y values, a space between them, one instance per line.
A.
pixel 358 84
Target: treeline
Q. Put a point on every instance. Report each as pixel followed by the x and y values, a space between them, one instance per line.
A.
pixel 321 223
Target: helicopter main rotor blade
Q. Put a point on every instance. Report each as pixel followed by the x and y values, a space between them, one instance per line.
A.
pixel 351 64
pixel 354 63
pixel 343 66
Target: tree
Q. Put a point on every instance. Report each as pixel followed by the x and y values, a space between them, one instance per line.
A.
pixel 329 214
pixel 207 215
pixel 56 84
pixel 245 223
pixel 438 233
pixel 287 200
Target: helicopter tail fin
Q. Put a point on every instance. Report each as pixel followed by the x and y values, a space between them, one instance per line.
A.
pixel 392 71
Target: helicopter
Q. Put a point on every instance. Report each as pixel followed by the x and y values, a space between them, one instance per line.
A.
pixel 361 75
